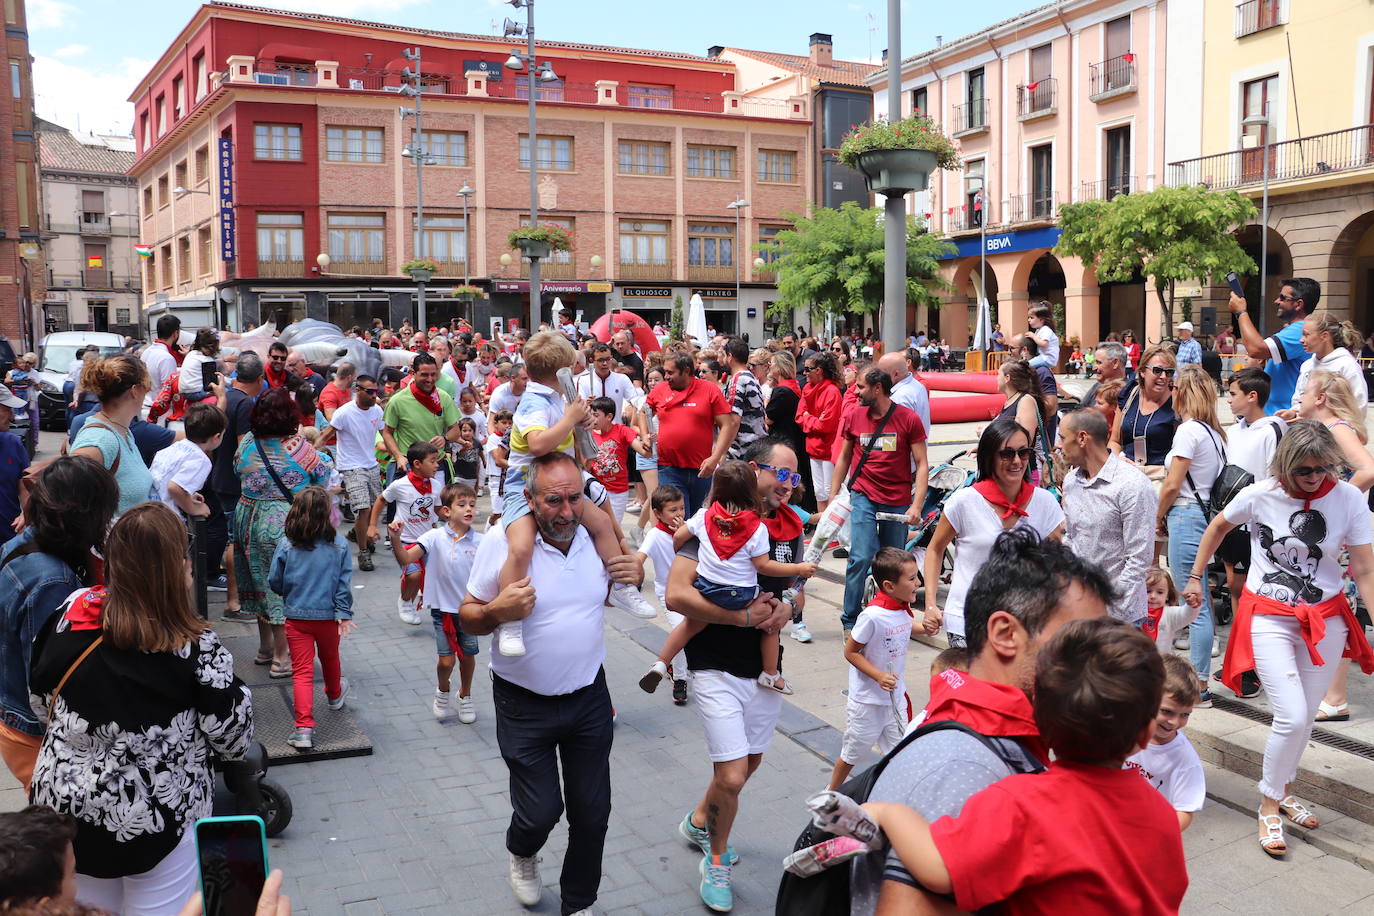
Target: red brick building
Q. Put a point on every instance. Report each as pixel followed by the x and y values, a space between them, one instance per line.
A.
pixel 639 152
pixel 21 255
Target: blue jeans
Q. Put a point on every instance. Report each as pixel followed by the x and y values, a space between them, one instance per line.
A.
pixel 866 535
pixel 1186 524
pixel 694 489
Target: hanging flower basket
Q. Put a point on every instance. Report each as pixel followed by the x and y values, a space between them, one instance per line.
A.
pixel 898 156
pixel 421 270
pixel 540 241
pixel 466 293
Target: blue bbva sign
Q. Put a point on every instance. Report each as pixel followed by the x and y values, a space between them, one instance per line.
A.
pixel 999 242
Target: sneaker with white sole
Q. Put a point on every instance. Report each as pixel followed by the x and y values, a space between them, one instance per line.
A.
pixel 339 701
pixel 302 739
pixel 716 892
pixel 1181 640
pixel 510 639
pixel 407 611
pixel 1216 647
pixel 626 597
pixel 800 633
pixel 467 710
pixel 698 837
pixel 524 879
pixel 440 706
pixel 649 682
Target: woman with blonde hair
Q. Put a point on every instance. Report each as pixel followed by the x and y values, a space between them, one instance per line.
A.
pixel 1196 458
pixel 1332 343
pixel 1148 415
pixel 138 693
pixel 121 382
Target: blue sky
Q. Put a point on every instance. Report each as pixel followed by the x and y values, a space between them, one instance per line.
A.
pixel 88 54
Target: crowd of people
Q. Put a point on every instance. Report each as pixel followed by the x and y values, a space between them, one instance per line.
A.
pixel 717 463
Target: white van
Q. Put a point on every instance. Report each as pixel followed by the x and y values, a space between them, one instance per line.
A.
pixel 56 353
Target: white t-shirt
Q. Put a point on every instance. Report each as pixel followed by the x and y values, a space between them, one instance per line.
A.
pixel 357 436
pixel 1175 770
pixel 1204 449
pixel 1339 362
pixel 448 563
pixel 1252 446
pixel 161 363
pixel 188 376
pixel 181 462
pixel 564 641
pixel 492 471
pixel 503 399
pixel 658 547
pixel 479 372
pixel 885 635
pixel 978 525
pixel 417 511
pixel 615 386
pixel 1049 343
pixel 1293 553
pixel 739 568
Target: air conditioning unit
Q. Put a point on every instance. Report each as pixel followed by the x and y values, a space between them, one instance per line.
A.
pixel 272 79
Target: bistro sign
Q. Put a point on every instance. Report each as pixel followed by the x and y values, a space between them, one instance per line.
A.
pixel 714 293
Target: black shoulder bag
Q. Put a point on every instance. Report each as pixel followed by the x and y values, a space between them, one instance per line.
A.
pixel 272 472
pixel 868 447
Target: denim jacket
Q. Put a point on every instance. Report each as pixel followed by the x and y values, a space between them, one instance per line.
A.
pixel 32 588
pixel 314 584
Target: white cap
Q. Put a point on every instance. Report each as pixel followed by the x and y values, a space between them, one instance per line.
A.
pixel 1185 325
pixel 8 399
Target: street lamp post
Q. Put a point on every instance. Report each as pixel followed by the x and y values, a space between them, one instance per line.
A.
pixel 1261 120
pixel 414 87
pixel 894 208
pixel 465 192
pixel 738 205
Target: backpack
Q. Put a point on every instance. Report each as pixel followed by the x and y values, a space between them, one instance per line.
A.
pixel 828 893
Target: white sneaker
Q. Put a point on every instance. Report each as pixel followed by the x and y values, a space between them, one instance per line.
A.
pixel 800 633
pixel 510 639
pixel 626 597
pixel 440 705
pixel 1181 640
pixel 407 612
pixel 1216 647
pixel 342 699
pixel 467 710
pixel 524 879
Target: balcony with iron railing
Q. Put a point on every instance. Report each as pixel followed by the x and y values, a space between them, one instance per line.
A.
pixel 1031 207
pixel 970 117
pixel 1107 188
pixel 1037 99
pixel 551 269
pixel 1257 15
pixel 1111 78
pixel 646 270
pixel 94 224
pixel 1338 152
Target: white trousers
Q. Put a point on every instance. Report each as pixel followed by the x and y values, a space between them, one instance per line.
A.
pixel 1295 686
pixel 618 503
pixel 159 891
pixel 821 472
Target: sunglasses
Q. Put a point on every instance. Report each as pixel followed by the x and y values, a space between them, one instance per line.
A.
pixel 365 389
pixel 1161 370
pixel 1007 454
pixel 703 373
pixel 813 369
pixel 1283 298
pixel 784 475
pixel 1308 471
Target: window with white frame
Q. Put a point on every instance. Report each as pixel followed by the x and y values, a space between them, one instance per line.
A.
pixel 357 237
pixel 281 237
pixel 643 242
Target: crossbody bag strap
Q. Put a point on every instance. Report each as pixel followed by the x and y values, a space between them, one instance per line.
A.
pixel 74 665
pixel 872 440
pixel 272 472
pixel 119 453
pixel 1221 453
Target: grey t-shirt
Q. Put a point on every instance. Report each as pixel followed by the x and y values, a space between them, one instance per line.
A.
pixel 935 775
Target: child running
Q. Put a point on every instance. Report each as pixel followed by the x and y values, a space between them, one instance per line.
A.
pixel 668 506
pixel 876 710
pixel 1169 762
pixel 1085 835
pixel 734 551
pixel 1164 614
pixel 181 469
pixel 312 571
pixel 543 423
pixel 447 554
pixel 415 497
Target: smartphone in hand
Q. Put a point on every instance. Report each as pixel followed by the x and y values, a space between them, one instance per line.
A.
pixel 232 855
pixel 1233 281
pixel 209 377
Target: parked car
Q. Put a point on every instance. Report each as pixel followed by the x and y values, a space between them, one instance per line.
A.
pixel 56 352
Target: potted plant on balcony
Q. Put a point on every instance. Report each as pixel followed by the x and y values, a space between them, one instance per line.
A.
pixel 898 156
pixel 421 270
pixel 540 241
pixel 467 293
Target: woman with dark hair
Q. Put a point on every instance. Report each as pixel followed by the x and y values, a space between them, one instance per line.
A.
pixel 1025 404
pixel 138 693
pixel 274 463
pixel 1132 354
pixel 1002 498
pixel 819 417
pixel 839 350
pixel 781 416
pixel 1041 321
pixel 121 382
pixel 69 510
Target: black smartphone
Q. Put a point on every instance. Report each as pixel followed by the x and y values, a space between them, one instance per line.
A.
pixel 208 376
pixel 232 853
pixel 1233 281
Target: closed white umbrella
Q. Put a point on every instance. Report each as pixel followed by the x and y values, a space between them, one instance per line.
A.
pixel 696 321
pixel 982 332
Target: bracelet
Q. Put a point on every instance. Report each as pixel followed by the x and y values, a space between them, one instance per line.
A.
pixel 1195 576
pixel 746 616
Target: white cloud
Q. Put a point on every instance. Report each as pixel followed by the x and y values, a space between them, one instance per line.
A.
pixel 48 14
pixel 96 99
pixel 71 51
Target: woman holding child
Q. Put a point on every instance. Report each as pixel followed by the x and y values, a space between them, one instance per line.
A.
pixel 1294 622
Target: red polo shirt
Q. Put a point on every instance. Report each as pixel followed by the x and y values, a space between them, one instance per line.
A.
pixel 686 421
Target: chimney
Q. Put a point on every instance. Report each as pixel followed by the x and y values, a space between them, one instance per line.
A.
pixel 715 50
pixel 822 49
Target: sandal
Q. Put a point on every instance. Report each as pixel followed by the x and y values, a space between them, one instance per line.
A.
pixel 776 682
pixel 279 671
pixel 1273 842
pixel 1298 813
pixel 1328 713
pixel 261 659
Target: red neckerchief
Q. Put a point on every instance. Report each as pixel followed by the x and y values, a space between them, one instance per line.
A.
pixel 664 528
pixel 990 491
pixel 175 353
pixel 995 710
pixel 275 379
pixel 430 401
pixel 84 611
pixel 728 533
pixel 1240 649
pixel 783 526
pixel 1327 485
pixel 790 383
pixel 459 373
pixel 423 485
pixel 890 604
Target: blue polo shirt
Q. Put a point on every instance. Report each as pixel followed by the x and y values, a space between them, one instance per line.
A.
pixel 14 459
pixel 1286 359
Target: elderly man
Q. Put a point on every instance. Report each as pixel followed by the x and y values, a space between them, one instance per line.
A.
pixel 624 343
pixel 552 702
pixel 420 411
pixel 726 658
pixel 1189 350
pixel 907 390
pixel 1110 507
pixel 1109 364
pixel 339 389
pixel 449 380
pixel 296 365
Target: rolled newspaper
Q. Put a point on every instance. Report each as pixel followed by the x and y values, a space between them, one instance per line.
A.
pixel 586 445
pixel 836 514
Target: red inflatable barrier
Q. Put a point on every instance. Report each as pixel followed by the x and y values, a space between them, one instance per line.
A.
pixel 975 382
pixel 971 408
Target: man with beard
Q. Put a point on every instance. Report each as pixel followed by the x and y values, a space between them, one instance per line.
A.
pixel 1021 597
pixel 1298 298
pixel 419 411
pixel 552 701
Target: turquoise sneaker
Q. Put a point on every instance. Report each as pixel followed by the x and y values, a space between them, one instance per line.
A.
pixel 702 840
pixel 715 886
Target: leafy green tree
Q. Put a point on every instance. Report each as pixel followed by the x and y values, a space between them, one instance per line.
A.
pixel 677 324
pixel 1168 235
pixel 832 262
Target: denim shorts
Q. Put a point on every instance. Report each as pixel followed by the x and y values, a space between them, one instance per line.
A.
pixel 418 566
pixel 646 464
pixel 467 643
pixel 730 597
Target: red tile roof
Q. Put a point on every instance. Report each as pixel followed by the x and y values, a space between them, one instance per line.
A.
pixel 838 73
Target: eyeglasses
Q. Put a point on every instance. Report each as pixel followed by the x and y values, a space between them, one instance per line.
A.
pixel 1308 471
pixel 278 357
pixel 1161 370
pixel 1007 454
pixel 784 475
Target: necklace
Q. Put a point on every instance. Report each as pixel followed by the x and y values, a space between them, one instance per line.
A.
pixel 123 426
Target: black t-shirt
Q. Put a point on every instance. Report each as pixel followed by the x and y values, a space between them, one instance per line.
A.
pixel 223 480
pixel 738 650
pixel 632 362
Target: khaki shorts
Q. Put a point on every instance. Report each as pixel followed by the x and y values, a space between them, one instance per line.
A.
pixel 362 486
